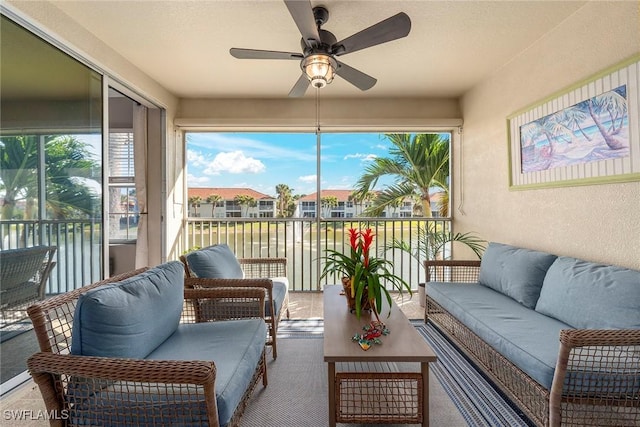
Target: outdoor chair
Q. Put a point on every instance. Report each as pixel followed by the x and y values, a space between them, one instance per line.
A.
pixel 23 278
pixel 217 266
pixel 108 357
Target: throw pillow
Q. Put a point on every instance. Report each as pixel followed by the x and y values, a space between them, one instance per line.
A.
pixel 215 262
pixel 515 272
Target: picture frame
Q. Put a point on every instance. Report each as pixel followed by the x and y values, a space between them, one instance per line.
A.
pixel 588 133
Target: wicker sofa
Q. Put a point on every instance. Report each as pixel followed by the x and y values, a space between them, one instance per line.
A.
pixel 559 336
pixel 217 266
pixel 134 350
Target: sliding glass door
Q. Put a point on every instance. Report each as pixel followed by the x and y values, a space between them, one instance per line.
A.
pixel 50 172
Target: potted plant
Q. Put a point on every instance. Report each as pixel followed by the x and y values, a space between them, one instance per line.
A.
pixel 431 244
pixel 364 276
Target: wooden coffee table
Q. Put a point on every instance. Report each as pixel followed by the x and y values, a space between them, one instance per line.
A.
pixel 365 386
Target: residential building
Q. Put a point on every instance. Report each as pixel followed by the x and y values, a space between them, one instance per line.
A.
pixel 346 206
pixel 228 206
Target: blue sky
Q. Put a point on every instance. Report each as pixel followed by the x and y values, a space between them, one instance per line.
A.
pixel 263 160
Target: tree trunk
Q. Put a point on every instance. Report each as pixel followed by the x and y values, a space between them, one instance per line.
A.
pixel 611 142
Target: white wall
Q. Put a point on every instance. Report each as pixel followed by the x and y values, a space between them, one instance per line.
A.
pixel 597 222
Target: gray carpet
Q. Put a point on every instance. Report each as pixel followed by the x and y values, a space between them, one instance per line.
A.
pixel 454 381
pixel 297 391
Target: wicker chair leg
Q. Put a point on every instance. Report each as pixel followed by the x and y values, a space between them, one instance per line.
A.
pixel 265 381
pixel 274 342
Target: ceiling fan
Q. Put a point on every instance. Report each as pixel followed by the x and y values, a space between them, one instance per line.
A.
pixel 320 48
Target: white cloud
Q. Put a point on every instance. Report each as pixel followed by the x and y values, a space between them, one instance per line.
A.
pixel 302 151
pixel 234 162
pixel 308 178
pixel 363 157
pixel 195 158
pixel 197 181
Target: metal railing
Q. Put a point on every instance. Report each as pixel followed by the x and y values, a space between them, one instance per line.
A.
pixel 304 241
pixel 79 255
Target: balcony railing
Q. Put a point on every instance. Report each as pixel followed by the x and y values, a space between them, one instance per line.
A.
pixel 79 243
pixel 303 242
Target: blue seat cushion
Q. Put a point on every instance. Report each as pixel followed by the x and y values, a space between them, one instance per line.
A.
pixel 515 272
pixel 280 289
pixel 129 318
pixel 235 346
pixel 530 340
pixel 589 295
pixel 215 262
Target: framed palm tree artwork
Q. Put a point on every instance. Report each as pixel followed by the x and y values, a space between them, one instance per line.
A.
pixel 586 134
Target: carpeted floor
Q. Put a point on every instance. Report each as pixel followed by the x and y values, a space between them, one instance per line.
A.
pixel 297 391
pixel 455 383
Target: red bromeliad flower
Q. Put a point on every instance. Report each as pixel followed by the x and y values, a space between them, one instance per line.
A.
pixel 367 239
pixel 368 275
pixel 354 234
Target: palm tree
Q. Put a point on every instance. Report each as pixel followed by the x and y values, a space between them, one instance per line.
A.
pixel 194 201
pixel 418 164
pixel 18 170
pixel 213 199
pixel 246 201
pixel 284 197
pixel 68 168
pixel 328 203
pixel 608 102
pixel 432 243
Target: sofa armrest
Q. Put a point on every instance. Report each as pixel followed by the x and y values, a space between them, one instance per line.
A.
pixel 263 267
pixel 452 270
pixel 222 303
pixel 598 367
pixel 70 384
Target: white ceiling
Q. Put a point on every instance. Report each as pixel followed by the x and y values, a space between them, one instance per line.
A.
pixel 184 45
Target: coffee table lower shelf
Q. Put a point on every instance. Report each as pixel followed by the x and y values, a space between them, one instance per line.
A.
pixel 373 393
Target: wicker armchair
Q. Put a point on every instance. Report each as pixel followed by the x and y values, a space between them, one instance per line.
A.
pixel 596 379
pixel 120 391
pixel 257 272
pixel 23 277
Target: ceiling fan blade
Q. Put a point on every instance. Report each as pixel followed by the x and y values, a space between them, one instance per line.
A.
pixel 263 54
pixel 392 28
pixel 302 14
pixel 300 87
pixel 357 78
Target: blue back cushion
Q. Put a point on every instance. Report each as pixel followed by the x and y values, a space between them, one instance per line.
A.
pixel 515 272
pixel 589 295
pixel 215 262
pixel 132 317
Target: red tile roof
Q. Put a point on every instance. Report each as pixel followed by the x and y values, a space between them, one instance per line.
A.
pixel 226 193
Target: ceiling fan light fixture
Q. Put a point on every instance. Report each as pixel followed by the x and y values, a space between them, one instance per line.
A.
pixel 319 69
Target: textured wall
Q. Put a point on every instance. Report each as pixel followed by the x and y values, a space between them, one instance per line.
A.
pixel 596 222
